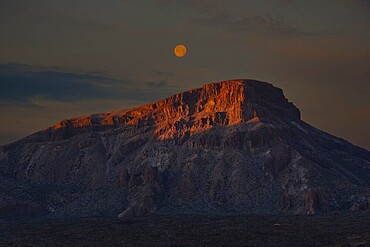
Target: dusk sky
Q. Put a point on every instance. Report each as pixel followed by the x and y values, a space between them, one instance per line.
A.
pixel 64 58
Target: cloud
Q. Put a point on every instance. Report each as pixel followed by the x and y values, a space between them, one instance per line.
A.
pixel 163 73
pixel 260 23
pixel 220 14
pixel 361 4
pixel 20 83
pixel 160 84
pixel 56 16
pixel 287 1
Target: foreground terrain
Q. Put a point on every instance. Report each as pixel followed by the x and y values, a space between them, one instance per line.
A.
pixel 314 230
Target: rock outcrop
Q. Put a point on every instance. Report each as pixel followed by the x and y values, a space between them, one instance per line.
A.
pixel 236 146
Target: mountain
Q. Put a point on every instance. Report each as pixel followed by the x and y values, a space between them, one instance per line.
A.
pixel 236 146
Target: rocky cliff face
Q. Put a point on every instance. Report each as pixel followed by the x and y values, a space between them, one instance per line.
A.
pixel 229 147
pixel 216 104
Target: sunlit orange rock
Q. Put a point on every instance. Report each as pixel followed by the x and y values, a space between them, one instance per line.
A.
pixel 216 104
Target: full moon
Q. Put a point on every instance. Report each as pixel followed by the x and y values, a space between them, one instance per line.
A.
pixel 180 50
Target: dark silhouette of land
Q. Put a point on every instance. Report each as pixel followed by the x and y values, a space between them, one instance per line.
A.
pixel 349 229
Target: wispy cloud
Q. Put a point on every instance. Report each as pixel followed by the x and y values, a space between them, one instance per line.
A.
pixel 260 23
pixel 160 84
pixel 362 4
pixel 220 14
pixel 20 83
pixel 163 73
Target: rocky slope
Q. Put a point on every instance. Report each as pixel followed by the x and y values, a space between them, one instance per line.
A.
pixel 235 146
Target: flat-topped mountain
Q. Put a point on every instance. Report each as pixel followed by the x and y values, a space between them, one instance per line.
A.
pixel 217 104
pixel 235 146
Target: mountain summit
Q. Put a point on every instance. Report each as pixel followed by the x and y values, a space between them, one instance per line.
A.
pixel 216 104
pixel 236 146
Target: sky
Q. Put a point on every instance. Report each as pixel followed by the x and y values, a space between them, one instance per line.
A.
pixel 64 58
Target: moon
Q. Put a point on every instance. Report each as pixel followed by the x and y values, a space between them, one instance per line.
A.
pixel 180 50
